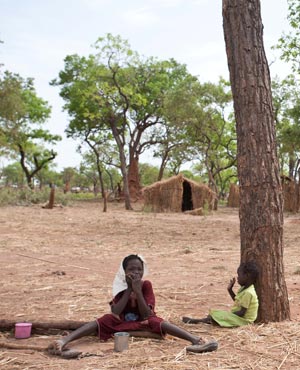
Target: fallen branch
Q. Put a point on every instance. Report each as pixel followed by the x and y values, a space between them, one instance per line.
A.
pixel 40 259
pixel 8 345
pixel 6 325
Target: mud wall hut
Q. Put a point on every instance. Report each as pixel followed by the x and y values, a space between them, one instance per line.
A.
pixel 177 194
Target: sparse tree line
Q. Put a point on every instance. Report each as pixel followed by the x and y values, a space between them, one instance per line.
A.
pixel 121 105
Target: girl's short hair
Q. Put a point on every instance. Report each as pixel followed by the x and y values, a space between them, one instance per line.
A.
pixel 250 268
pixel 129 258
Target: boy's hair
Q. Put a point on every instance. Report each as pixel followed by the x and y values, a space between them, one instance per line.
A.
pixel 250 268
pixel 129 258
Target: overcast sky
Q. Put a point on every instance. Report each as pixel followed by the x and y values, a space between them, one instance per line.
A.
pixel 38 34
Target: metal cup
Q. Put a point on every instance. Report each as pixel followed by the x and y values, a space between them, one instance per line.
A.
pixel 121 341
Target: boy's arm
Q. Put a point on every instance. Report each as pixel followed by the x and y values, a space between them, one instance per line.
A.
pixel 229 288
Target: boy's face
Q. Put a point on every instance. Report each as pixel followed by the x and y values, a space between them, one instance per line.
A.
pixel 134 269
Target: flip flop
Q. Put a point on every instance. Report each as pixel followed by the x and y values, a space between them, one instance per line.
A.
pixel 189 320
pixel 201 348
pixel 70 353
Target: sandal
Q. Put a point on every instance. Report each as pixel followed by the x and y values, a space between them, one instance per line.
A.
pixel 190 320
pixel 70 353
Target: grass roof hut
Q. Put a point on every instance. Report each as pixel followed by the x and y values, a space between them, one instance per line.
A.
pixel 177 194
pixel 234 196
pixel 291 194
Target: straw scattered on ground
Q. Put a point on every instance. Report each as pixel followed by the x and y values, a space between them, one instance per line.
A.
pixel 59 265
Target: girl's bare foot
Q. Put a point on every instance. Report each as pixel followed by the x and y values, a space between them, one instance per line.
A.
pixel 200 341
pixel 56 347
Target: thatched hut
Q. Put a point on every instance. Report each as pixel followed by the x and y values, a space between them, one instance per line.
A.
pixel 177 194
pixel 234 196
pixel 291 194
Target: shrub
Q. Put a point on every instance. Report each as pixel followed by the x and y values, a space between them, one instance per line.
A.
pixel 26 196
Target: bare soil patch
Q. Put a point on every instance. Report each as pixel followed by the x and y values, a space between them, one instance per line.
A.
pixel 59 265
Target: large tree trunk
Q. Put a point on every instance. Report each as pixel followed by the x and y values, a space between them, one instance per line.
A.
pixel 133 177
pixel 261 213
pixel 121 142
pixel 128 206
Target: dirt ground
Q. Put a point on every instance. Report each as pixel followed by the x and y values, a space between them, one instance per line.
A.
pixel 59 265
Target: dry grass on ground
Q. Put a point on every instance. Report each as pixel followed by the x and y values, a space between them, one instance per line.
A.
pixel 59 265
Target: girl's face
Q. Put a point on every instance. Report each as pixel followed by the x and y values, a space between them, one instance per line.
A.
pixel 242 277
pixel 134 269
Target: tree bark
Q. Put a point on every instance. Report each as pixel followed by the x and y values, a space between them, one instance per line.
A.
pixel 133 178
pixel 122 155
pixel 50 204
pixel 103 192
pixel 261 198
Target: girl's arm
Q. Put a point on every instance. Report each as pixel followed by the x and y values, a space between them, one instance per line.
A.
pixel 117 308
pixel 241 312
pixel 229 288
pixel 144 309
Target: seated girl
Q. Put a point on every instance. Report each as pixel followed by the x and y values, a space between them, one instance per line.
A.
pixel 244 310
pixel 132 309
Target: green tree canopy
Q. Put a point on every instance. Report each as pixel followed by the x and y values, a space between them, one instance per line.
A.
pixel 22 115
pixel 286 102
pixel 120 94
pixel 289 42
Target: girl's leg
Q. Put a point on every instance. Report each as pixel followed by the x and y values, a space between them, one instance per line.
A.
pixel 190 320
pixel 57 346
pixel 174 330
pixel 198 344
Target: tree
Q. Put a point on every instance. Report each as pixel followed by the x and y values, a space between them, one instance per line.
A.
pixel 173 144
pixel 289 43
pixel 261 208
pixel 97 144
pixel 125 94
pixel 13 174
pixel 22 114
pixel 68 174
pixel 200 128
pixel 148 174
pixel 102 154
pixel 49 177
pixel 286 100
pixel 212 133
